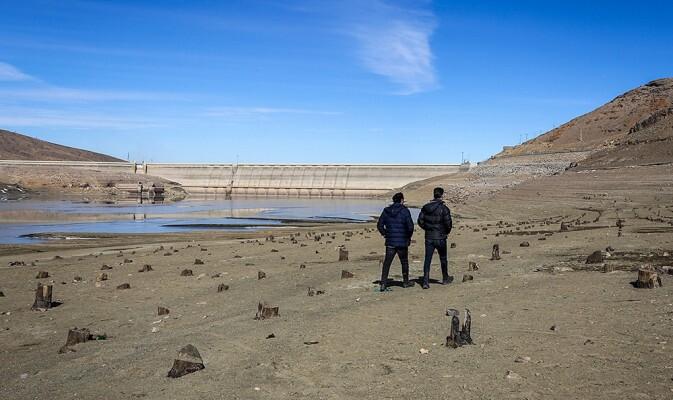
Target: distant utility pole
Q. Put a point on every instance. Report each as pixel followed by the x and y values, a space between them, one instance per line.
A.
pixel 128 156
pixel 462 157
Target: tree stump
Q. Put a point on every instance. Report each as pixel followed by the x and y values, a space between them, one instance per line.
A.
pixel 146 268
pixel 124 286
pixel 75 336
pixel 186 272
pixel 453 338
pixel 198 262
pixel 595 258
pixel 188 361
pixel 524 244
pixel 265 311
pixel 346 274
pixel 472 266
pixel 311 292
pixel 453 245
pixel 564 227
pixel 495 254
pixel 648 278
pixel 459 336
pixel 343 254
pixel 43 297
pixel 466 331
pixel 261 275
pixel 42 275
pixel 162 310
pixel 467 278
pixel 222 287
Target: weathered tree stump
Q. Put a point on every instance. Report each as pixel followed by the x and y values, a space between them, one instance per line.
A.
pixel 311 292
pixel 124 286
pixel 472 266
pixel 75 336
pixel 343 254
pixel 146 268
pixel 564 227
pixel 43 297
pixel 222 287
pixel 648 278
pixel 495 253
pixel 198 262
pixel 102 277
pixel 188 361
pixel 186 272
pixel 302 266
pixel 595 258
pixel 42 275
pixel 453 338
pixel 261 275
pixel 467 278
pixel 466 330
pixel 104 267
pixel 163 311
pixel 459 336
pixel 524 244
pixel 346 274
pixel 453 245
pixel 265 311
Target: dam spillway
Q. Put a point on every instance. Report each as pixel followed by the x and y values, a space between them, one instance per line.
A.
pixel 333 180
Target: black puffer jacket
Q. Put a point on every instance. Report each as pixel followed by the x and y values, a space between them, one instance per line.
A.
pixel 435 220
pixel 396 225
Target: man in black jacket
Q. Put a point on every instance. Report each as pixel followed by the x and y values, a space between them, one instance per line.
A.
pixel 396 225
pixel 435 220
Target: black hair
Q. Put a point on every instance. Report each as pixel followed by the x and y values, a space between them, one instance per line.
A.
pixel 437 192
pixel 398 197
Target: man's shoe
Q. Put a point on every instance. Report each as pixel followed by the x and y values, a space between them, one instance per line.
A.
pixel 408 284
pixel 447 280
pixel 426 286
pixel 383 288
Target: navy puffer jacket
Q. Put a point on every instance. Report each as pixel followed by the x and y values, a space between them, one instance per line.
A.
pixel 396 225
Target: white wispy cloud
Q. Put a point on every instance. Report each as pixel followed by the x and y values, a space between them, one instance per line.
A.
pixel 11 73
pixel 31 117
pixel 50 93
pixel 394 42
pixel 260 111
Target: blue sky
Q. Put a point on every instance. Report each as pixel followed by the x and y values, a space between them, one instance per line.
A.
pixel 352 81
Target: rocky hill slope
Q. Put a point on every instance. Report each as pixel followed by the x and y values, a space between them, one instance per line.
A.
pixel 14 146
pixel 605 125
pixel 634 129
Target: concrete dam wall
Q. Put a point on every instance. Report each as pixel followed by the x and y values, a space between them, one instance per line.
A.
pixel 338 180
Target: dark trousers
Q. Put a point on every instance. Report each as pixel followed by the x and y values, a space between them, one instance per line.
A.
pixel 403 253
pixel 430 247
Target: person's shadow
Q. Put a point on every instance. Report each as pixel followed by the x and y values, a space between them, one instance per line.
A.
pixel 419 280
pixel 390 283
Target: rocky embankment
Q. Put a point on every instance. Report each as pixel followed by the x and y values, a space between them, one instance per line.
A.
pixel 47 181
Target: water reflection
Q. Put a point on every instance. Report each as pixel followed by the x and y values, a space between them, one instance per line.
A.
pixel 30 216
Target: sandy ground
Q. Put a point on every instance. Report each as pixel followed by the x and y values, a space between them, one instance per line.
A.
pixel 612 341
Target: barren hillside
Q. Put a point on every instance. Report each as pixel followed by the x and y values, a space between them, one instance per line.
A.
pixel 14 146
pixel 604 125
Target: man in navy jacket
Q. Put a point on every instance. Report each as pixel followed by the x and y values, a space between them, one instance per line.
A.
pixel 396 225
pixel 435 220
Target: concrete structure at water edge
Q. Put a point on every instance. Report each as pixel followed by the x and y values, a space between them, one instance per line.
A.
pixel 330 180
